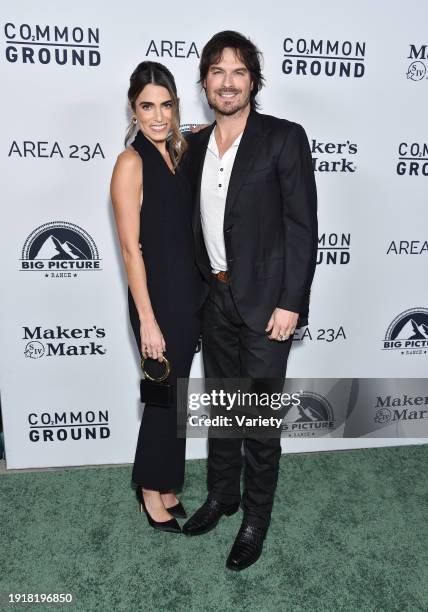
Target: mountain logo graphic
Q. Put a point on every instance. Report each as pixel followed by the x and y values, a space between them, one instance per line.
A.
pixel 408 332
pixel 60 246
pixel 52 248
pixel 314 413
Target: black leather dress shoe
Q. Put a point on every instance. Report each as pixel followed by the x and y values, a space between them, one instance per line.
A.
pixel 207 517
pixel 247 547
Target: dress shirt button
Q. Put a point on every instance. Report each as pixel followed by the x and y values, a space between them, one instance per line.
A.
pixel 221 169
pixel 219 184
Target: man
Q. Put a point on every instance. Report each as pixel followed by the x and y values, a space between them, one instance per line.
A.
pixel 255 227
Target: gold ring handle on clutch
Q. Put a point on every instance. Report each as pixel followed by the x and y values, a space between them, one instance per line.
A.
pixel 164 375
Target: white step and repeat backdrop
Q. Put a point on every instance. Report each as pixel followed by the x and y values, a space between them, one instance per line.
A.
pixel 355 77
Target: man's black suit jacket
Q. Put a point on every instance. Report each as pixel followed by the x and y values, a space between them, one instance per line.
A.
pixel 270 220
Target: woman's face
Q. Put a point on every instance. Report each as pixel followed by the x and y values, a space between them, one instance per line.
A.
pixel 154 111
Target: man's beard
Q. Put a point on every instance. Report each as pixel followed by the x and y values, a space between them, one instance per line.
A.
pixel 232 110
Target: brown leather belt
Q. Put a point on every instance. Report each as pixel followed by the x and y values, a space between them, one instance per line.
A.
pixel 222 276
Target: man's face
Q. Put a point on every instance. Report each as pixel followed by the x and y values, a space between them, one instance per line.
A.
pixel 228 84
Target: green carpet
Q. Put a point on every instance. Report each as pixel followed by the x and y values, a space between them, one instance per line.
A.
pixel 348 532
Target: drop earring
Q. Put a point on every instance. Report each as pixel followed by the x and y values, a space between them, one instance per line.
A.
pixel 134 120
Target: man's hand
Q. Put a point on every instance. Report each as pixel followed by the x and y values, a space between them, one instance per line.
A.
pixel 197 128
pixel 282 324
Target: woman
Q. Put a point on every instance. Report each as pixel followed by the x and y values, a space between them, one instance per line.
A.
pixel 152 205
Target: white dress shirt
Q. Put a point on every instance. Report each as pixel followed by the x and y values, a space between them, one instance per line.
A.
pixel 214 185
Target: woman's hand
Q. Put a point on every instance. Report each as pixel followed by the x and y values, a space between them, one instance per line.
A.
pixel 152 341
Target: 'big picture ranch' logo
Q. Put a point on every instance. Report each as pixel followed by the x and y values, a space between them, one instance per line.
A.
pixel 313 416
pixel 408 332
pixel 59 249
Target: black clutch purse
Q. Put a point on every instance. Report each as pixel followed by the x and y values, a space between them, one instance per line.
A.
pixel 155 390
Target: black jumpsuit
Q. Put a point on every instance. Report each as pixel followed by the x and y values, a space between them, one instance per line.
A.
pixel 176 292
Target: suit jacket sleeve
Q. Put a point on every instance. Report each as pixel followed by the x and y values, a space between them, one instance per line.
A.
pixel 299 206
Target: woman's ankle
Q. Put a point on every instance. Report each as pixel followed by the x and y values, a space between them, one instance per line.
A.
pixel 150 492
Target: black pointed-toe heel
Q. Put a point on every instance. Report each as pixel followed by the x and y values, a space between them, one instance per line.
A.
pixel 172 526
pixel 178 510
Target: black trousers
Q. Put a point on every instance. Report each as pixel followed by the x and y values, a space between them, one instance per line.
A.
pixel 233 350
pixel 160 455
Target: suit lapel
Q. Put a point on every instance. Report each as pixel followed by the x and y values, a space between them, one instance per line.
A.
pixel 245 157
pixel 200 159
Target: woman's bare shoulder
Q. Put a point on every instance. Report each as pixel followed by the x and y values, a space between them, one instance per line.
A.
pixel 129 159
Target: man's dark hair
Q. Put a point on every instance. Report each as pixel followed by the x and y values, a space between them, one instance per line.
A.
pixel 246 51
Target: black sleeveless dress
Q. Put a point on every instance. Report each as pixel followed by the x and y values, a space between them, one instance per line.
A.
pixel 175 288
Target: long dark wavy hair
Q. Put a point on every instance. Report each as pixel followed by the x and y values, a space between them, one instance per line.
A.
pixel 157 74
pixel 247 53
